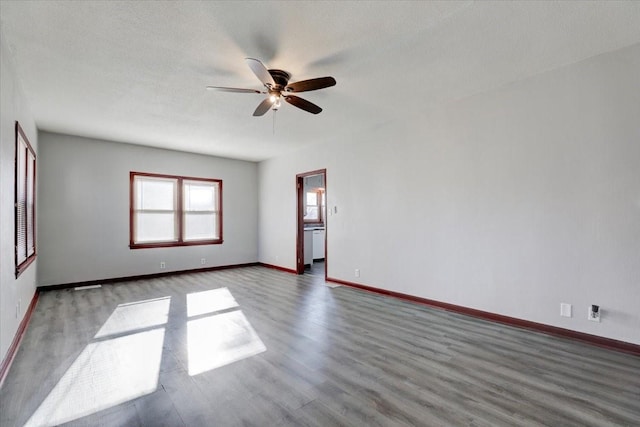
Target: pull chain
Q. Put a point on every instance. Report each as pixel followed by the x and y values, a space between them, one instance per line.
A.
pixel 274 121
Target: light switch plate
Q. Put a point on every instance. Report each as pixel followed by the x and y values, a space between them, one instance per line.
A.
pixel 565 309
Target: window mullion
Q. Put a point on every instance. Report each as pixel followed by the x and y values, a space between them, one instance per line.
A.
pixel 180 213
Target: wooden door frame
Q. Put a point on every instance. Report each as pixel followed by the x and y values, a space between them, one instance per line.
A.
pixel 300 220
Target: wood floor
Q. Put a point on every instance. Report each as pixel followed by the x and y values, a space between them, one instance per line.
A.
pixel 258 347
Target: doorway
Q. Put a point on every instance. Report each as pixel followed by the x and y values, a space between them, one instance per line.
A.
pixel 311 214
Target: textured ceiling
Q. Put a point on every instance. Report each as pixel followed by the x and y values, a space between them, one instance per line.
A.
pixel 136 71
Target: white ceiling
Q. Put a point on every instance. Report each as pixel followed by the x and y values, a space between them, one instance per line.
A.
pixel 136 71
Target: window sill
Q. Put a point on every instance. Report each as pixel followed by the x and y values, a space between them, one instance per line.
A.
pixel 25 264
pixel 174 244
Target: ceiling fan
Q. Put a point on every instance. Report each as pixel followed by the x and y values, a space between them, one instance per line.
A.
pixel 276 83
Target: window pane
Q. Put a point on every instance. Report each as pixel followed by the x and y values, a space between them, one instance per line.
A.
pixel 21 203
pixel 311 213
pixel 312 199
pixel 199 196
pixel 155 227
pixel 155 193
pixel 29 204
pixel 200 226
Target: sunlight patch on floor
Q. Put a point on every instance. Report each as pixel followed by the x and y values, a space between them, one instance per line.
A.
pixel 123 363
pixel 219 340
pixel 135 316
pixel 209 301
pixel 105 374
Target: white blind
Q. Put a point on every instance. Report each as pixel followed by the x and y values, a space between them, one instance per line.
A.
pixel 155 203
pixel 21 202
pixel 30 201
pixel 201 210
pixel 25 201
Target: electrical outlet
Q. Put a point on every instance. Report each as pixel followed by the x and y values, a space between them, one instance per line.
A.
pixel 357 272
pixel 594 313
pixel 203 261
pixel 162 264
pixel 565 309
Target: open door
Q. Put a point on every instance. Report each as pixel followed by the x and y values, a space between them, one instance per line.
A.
pixel 310 215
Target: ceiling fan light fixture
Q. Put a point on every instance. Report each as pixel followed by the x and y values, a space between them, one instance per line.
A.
pixel 276 101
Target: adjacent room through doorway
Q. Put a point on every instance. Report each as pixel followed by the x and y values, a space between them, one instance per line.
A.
pixel 311 214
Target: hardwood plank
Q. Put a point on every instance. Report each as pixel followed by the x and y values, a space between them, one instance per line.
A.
pixel 157 410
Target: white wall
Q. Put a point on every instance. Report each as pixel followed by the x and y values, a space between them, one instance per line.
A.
pixel 84 210
pixel 13 108
pixel 510 201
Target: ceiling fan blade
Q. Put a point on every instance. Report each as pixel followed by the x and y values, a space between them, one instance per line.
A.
pixel 260 71
pixel 311 84
pixel 233 89
pixel 303 104
pixel 263 107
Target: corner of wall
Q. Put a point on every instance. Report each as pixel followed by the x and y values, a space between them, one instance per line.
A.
pixel 15 294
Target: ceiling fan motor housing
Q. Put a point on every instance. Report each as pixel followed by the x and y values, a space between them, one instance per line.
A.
pixel 281 78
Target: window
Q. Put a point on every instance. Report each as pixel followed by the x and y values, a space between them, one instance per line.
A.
pixel 314 201
pixel 167 210
pixel 25 202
